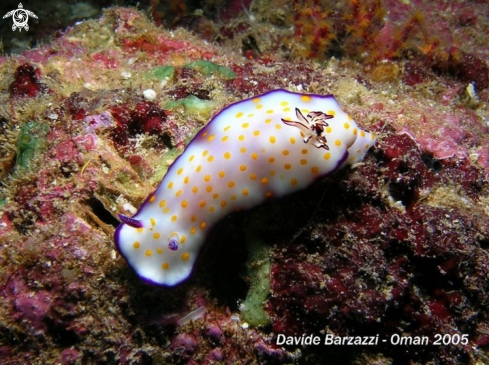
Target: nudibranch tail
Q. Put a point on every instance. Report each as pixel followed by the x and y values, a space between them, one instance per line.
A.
pixel 264 147
pixel 134 223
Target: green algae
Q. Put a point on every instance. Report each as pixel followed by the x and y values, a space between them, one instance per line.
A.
pixel 252 309
pixel 193 105
pixel 28 143
pixel 208 68
pixel 162 73
pixel 165 162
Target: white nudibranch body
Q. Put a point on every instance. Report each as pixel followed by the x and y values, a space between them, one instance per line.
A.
pixel 264 147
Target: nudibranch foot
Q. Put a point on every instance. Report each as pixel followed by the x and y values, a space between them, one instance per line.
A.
pixel 267 146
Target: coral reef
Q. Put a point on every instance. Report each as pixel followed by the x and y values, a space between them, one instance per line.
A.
pixel 395 245
pixel 407 261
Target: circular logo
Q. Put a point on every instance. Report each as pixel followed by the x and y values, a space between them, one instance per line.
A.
pixel 20 17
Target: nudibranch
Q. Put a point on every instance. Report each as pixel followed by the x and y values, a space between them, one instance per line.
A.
pixel 253 150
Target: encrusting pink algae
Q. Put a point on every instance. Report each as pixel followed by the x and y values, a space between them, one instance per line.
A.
pixel 393 248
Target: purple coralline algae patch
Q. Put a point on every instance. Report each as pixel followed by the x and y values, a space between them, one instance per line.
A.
pixel 396 245
pixel 32 307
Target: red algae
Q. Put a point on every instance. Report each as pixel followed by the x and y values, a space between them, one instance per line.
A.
pixel 26 82
pixel 368 255
pixel 396 245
